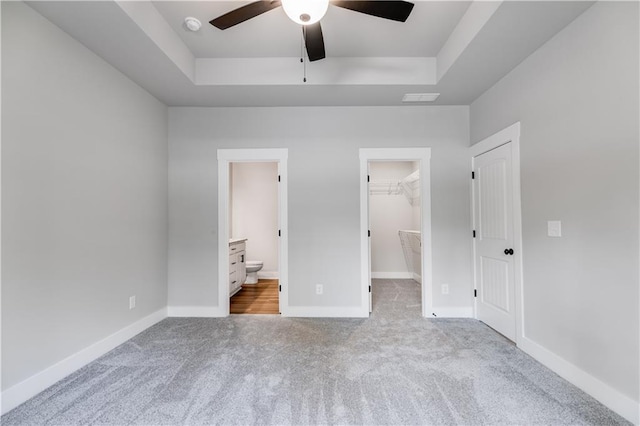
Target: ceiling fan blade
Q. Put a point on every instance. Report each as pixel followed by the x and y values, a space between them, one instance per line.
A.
pixel 314 41
pixel 396 10
pixel 244 13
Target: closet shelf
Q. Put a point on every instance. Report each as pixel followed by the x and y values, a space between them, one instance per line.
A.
pixel 411 242
pixel 409 186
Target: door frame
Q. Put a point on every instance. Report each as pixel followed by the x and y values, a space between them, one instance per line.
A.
pixel 511 135
pixel 225 157
pixel 423 156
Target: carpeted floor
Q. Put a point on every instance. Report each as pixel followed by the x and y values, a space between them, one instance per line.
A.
pixel 393 368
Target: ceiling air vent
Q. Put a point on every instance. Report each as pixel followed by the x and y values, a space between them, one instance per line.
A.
pixel 420 97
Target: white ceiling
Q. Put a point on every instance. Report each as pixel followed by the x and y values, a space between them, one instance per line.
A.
pixel 456 48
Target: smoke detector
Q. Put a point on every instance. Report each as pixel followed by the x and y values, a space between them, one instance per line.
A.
pixel 192 24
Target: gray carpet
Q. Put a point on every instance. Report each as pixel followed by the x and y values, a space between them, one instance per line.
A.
pixel 393 368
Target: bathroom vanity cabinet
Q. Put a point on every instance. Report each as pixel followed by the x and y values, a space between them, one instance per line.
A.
pixel 237 265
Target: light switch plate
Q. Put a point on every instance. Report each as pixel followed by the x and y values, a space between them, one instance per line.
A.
pixel 554 228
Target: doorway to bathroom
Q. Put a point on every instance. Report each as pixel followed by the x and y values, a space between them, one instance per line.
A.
pixel 400 254
pixel 252 227
pixel 396 243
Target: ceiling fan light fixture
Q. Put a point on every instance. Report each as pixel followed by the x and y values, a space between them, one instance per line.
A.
pixel 305 12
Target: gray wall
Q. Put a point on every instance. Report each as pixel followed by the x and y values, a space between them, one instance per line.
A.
pixel 324 210
pixel 84 197
pixel 577 100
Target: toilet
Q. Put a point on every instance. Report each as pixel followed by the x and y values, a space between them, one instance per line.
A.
pixel 253 266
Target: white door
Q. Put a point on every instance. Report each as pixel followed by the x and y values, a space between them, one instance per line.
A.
pixel 281 201
pixel 369 238
pixel 494 241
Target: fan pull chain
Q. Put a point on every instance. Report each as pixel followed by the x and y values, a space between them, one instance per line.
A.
pixel 303 58
pixel 302 46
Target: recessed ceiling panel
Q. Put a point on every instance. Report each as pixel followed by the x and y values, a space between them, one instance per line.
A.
pixel 346 33
pixel 516 30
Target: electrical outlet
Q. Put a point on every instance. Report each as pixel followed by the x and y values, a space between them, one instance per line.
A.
pixel 132 302
pixel 319 289
pixel 445 288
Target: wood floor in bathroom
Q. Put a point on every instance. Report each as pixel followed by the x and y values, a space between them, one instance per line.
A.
pixel 260 298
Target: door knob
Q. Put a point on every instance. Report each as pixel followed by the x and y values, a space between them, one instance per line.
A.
pixel 508 251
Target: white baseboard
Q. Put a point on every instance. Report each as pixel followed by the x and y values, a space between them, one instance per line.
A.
pixel 23 391
pixel 196 311
pixel 326 312
pixel 269 275
pixel 452 312
pixel 392 275
pixel 616 401
pixel 417 278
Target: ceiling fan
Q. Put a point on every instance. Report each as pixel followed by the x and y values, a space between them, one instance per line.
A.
pixel 309 12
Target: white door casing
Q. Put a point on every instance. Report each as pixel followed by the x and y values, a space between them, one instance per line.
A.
pixel 496 223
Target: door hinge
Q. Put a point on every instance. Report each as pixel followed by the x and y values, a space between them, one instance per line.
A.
pixel 369 289
pixel 278 178
pixel 369 233
pixel 474 233
pixel 475 293
pixel 279 233
pixel 368 177
pixel 279 288
pixel 473 175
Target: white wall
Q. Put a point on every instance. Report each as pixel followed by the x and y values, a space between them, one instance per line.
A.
pixel 84 197
pixel 389 213
pixel 254 211
pixel 577 101
pixel 415 210
pixel 323 185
